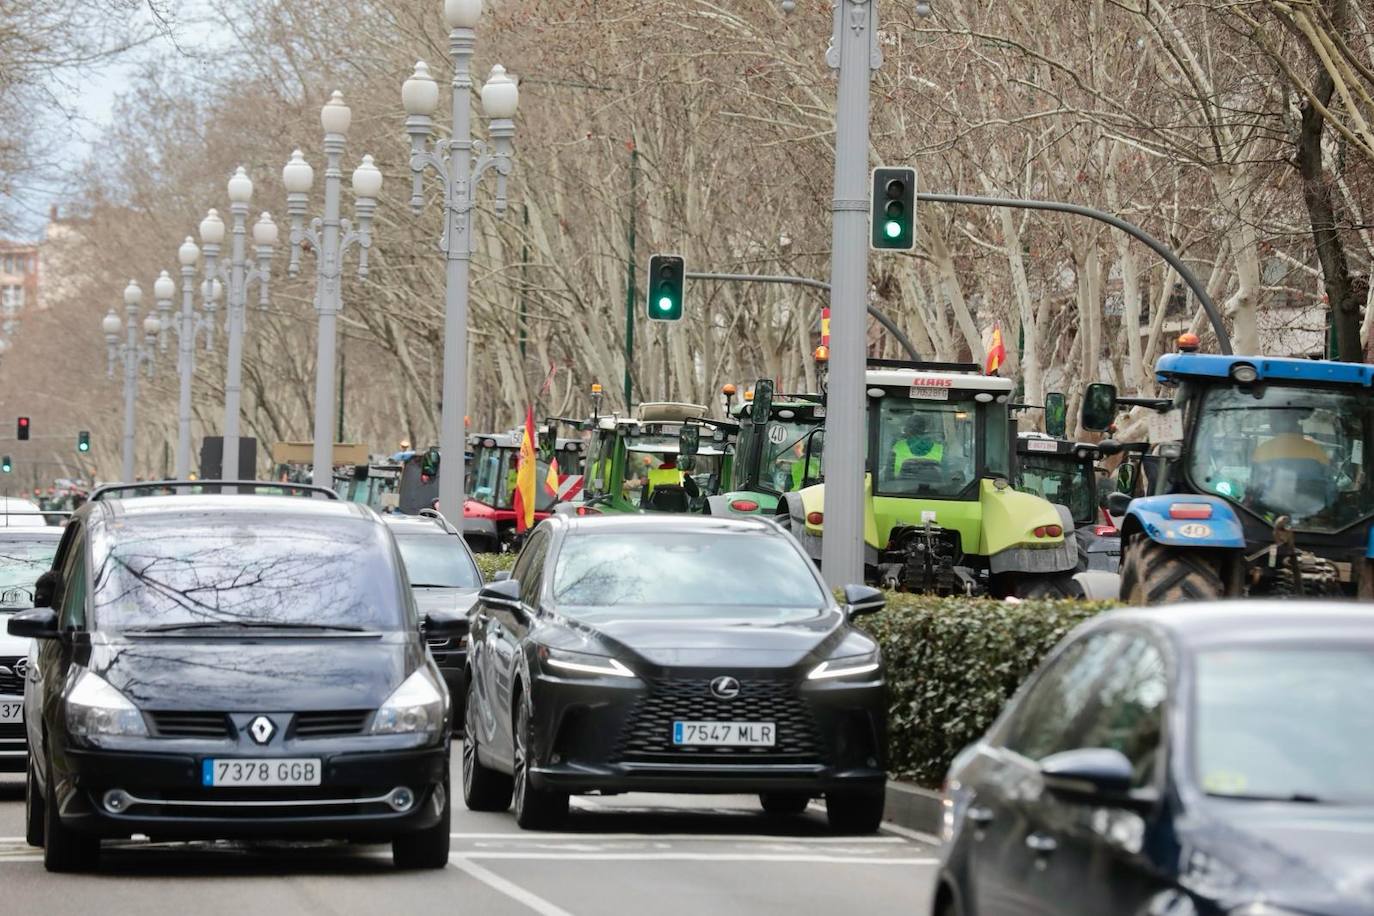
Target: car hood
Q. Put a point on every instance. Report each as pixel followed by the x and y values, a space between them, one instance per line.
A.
pixel 11 646
pixel 723 638
pixel 455 600
pixel 278 673
pixel 1310 858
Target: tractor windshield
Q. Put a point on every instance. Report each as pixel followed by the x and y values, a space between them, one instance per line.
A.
pixel 1282 450
pixel 652 462
pixel 926 447
pixel 493 479
pixel 782 462
pixel 1061 479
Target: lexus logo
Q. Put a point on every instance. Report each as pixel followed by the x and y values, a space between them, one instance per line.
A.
pixel 726 688
pixel 261 729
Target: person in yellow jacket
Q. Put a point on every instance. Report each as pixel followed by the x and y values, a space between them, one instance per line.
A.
pixel 920 442
pixel 666 474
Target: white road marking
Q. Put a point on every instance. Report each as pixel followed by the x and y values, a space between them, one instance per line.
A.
pixel 510 889
pixel 702 837
pixel 919 835
pixel 697 857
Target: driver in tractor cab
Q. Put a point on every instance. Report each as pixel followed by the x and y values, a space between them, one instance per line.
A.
pixel 666 474
pixel 921 441
pixel 802 468
pixel 1291 471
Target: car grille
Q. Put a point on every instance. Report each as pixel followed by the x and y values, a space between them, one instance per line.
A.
pixel 11 683
pixel 647 736
pixel 330 724
pixel 190 724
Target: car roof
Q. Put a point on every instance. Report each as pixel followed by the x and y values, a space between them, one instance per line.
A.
pixel 666 522
pixel 416 524
pixel 1210 624
pixel 233 504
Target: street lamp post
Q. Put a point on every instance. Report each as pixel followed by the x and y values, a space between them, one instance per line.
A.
pixel 237 274
pixel 187 325
pixel 134 355
pixel 330 238
pixel 453 159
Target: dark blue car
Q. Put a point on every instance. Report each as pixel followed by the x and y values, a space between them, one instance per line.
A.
pixel 1200 759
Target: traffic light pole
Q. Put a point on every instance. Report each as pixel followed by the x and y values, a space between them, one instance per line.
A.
pixel 854 53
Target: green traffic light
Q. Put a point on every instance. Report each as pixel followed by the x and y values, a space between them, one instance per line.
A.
pixel 5 465
pixel 665 304
pixel 84 447
pixel 893 229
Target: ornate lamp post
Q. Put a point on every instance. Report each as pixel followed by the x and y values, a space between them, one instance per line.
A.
pixel 187 325
pixel 330 238
pixel 134 355
pixel 237 274
pixel 453 159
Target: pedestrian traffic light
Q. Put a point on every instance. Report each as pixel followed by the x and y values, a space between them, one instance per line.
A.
pixel 22 429
pixel 894 209
pixel 83 441
pixel 6 465
pixel 666 275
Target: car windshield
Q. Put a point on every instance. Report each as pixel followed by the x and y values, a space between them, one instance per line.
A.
pixel 1060 479
pixel 244 569
pixel 1286 723
pixel 685 574
pixel 783 458
pixel 925 447
pixel 437 561
pixel 1281 450
pixel 21 563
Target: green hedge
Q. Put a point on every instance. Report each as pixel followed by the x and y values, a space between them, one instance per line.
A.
pixel 952 663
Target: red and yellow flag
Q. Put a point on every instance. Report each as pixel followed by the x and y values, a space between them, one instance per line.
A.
pixel 524 477
pixel 997 352
pixel 551 480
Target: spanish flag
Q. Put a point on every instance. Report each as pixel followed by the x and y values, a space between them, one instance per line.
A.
pixel 551 480
pixel 525 476
pixel 997 352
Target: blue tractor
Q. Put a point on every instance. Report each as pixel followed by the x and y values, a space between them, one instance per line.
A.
pixel 1259 480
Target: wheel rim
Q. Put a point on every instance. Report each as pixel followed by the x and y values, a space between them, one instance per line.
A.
pixel 469 749
pixel 520 774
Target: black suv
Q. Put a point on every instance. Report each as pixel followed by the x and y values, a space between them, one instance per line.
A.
pixel 215 666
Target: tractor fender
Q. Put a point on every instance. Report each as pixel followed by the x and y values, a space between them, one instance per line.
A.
pixel 482 535
pixel 1063 557
pixel 792 516
pixel 1098 585
pixel 717 505
pixel 1149 515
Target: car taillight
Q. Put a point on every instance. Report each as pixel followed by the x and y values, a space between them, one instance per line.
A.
pixel 1190 510
pixel 815 518
pixel 744 505
pixel 584 510
pixel 1106 531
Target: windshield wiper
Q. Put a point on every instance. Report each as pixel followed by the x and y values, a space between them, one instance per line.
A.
pixel 231 625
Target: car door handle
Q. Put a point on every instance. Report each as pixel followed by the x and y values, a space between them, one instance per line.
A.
pixel 981 817
pixel 1041 844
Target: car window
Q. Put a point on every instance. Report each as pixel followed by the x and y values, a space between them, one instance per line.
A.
pixel 21 563
pixel 1126 713
pixel 1063 699
pixel 73 602
pixel 437 561
pixel 532 578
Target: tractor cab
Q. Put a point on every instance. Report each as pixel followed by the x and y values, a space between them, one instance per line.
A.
pixel 669 458
pixel 771 455
pixel 489 511
pixel 1260 484
pixel 941 515
pixel 1065 473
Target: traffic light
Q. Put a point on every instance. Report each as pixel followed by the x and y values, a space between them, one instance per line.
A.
pixel 83 441
pixel 22 429
pixel 894 209
pixel 6 465
pixel 666 275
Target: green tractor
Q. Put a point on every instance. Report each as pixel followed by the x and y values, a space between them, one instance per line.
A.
pixel 941 515
pixel 669 458
pixel 770 457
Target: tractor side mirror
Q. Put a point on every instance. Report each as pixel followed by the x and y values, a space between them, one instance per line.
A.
pixel 1099 406
pixel 1125 478
pixel 1056 415
pixel 763 402
pixel 689 441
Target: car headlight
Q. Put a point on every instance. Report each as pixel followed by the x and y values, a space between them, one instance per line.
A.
pixel 416 707
pixel 1263 909
pixel 95 710
pixel 563 661
pixel 849 666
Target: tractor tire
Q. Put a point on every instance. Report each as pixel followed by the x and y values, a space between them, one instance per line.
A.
pixel 1154 574
pixel 1050 588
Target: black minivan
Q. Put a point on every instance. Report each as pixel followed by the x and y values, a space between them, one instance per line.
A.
pixel 233 666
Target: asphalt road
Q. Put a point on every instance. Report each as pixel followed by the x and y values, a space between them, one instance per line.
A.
pixel 631 854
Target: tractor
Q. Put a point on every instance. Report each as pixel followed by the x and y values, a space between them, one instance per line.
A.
pixel 1065 473
pixel 1256 481
pixel 669 458
pixel 941 515
pixel 489 523
pixel 769 457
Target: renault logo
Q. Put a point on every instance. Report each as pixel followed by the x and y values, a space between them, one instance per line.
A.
pixel 21 667
pixel 726 688
pixel 261 729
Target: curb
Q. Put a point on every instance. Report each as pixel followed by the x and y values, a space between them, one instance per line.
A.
pixel 913 808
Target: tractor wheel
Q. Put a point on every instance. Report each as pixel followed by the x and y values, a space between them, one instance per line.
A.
pixel 1055 587
pixel 1154 574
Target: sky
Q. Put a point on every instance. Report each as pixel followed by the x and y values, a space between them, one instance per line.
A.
pixel 85 97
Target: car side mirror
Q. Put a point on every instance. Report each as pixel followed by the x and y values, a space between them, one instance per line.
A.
pixel 1099 407
pixel 1118 503
pixel 44 589
pixel 1091 775
pixel 863 599
pixel 442 625
pixel 505 593
pixel 501 575
pixel 39 623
